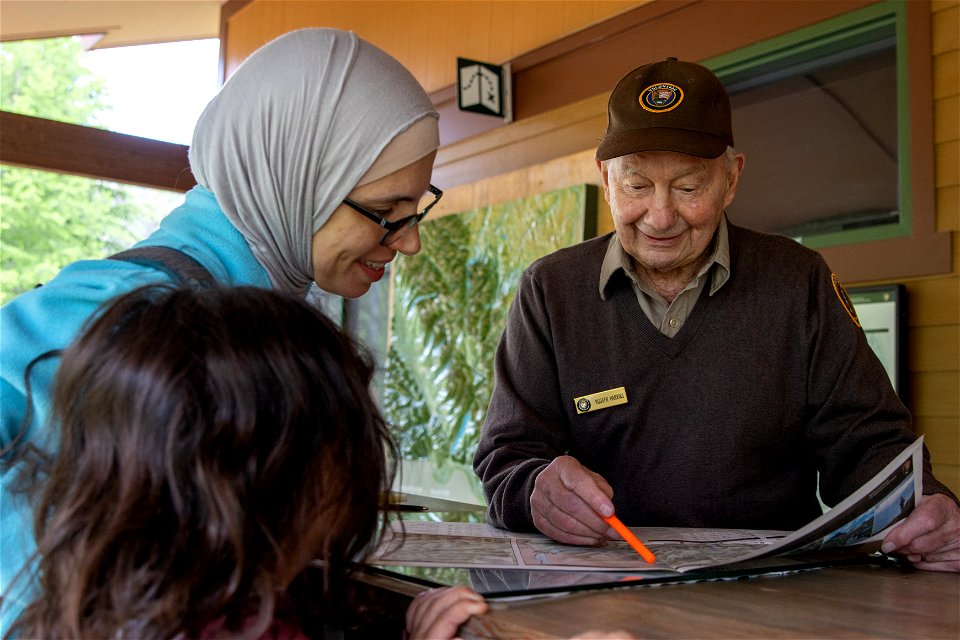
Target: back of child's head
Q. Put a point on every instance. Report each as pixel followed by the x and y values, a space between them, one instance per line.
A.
pixel 212 443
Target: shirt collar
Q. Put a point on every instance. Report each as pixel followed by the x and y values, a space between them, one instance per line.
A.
pixel 617 259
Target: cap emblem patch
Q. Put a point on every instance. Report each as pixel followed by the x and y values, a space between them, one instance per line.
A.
pixel 661 97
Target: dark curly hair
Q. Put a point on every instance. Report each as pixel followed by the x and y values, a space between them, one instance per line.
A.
pixel 212 444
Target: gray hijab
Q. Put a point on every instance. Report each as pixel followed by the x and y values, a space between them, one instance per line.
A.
pixel 294 130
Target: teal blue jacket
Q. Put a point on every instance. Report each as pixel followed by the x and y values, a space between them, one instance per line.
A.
pixel 51 316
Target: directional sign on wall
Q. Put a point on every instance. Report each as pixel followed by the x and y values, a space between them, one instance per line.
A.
pixel 483 88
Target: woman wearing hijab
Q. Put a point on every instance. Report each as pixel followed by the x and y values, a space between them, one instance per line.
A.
pixel 311 164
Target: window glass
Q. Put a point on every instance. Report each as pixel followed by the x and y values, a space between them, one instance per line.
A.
pixel 157 91
pixel 52 219
pixel 154 91
pixel 819 114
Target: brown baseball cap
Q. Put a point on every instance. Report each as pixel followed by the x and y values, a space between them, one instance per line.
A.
pixel 668 106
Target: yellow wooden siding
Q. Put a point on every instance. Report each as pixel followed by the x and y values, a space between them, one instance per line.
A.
pixel 933 302
pixel 944 449
pixel 946 74
pixel 948 166
pixel 933 343
pixel 927 347
pixel 935 314
pixel 948 475
pixel 948 214
pixel 934 393
pixel 946 128
pixel 956 252
pixel 945 33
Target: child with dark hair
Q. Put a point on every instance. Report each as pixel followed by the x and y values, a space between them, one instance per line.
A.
pixel 212 445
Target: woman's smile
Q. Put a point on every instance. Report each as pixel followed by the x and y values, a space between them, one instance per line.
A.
pixel 374 270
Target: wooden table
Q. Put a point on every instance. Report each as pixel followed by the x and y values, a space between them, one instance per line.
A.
pixel 847 602
pixel 878 600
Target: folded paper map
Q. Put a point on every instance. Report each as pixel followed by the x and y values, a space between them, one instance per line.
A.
pixel 863 517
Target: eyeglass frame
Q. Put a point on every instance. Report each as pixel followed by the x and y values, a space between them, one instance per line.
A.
pixel 391 227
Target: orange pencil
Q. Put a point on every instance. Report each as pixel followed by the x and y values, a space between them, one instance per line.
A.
pixel 631 539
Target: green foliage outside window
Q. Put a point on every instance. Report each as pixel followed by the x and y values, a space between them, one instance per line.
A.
pixel 449 309
pixel 48 220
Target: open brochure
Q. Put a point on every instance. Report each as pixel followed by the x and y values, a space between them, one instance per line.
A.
pixel 863 517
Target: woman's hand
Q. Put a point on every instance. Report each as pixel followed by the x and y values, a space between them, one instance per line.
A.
pixel 438 613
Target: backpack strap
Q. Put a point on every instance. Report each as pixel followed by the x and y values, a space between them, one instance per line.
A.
pixel 183 269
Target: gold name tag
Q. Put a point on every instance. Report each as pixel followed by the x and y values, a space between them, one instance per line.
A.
pixel 601 400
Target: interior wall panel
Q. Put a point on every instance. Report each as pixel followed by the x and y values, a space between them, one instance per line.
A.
pixel 426 36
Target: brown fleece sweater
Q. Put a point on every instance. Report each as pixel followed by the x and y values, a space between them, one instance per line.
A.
pixel 726 425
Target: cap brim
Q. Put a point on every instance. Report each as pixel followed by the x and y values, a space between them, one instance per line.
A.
pixel 694 143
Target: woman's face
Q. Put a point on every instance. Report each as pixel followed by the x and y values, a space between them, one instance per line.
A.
pixel 347 254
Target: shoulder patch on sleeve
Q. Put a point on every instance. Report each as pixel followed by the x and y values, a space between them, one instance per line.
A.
pixel 844 299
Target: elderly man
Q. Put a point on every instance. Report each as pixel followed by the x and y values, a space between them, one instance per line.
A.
pixel 684 371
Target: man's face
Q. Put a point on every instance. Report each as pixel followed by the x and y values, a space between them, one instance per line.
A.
pixel 666 206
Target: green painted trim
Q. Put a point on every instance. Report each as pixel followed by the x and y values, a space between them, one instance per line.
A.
pixel 808 43
pixel 591 209
pixel 857 28
pixel 904 157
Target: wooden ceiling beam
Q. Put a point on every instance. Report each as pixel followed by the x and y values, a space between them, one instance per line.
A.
pixel 49 145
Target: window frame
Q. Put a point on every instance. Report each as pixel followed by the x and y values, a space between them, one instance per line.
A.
pixel 911 246
pixel 866 28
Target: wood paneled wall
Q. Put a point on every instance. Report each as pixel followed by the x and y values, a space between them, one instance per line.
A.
pixel 427 36
pixel 934 313
pixel 495 33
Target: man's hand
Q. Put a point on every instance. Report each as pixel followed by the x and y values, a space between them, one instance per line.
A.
pixel 567 502
pixel 930 536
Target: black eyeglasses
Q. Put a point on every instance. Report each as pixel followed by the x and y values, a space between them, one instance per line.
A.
pixel 398 228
